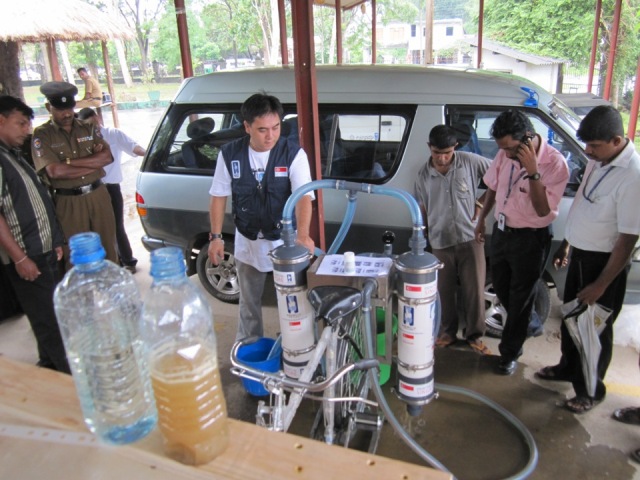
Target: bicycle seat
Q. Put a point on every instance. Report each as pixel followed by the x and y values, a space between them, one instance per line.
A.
pixel 331 303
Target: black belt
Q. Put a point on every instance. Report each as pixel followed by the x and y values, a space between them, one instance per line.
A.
pixel 523 230
pixel 83 190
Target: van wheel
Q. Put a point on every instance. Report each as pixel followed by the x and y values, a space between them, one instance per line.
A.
pixel 496 314
pixel 221 281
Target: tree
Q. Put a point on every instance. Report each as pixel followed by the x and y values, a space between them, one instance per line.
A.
pixel 141 17
pixel 10 83
pixel 563 28
pixel 166 46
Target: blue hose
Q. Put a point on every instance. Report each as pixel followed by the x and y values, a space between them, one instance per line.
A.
pixel 417 242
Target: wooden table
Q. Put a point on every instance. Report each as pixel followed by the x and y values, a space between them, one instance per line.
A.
pixel 38 408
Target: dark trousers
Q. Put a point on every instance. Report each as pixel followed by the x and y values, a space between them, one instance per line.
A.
pixel 122 241
pixel 584 268
pixel 36 299
pixel 517 260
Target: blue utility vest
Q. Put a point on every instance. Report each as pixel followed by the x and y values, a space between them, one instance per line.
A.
pixel 257 205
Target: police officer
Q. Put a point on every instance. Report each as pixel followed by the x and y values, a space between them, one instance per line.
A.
pixel 69 154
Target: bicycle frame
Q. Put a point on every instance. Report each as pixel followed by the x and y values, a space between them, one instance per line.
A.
pixel 281 414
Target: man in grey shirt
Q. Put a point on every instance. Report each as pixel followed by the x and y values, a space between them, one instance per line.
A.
pixel 447 191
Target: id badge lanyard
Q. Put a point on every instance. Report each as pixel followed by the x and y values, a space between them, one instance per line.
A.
pixel 502 219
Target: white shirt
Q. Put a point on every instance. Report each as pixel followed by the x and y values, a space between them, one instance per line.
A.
pixel 119 142
pixel 614 190
pixel 254 252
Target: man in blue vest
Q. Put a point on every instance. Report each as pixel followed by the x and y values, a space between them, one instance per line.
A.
pixel 259 172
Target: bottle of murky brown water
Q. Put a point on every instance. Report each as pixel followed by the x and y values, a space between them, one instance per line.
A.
pixel 177 327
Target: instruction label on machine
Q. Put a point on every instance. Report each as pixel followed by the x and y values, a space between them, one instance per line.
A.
pixel 422 290
pixel 365 266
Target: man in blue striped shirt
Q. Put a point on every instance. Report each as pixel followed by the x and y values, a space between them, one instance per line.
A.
pixel 30 238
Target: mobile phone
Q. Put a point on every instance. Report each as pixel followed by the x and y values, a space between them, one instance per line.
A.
pixel 526 138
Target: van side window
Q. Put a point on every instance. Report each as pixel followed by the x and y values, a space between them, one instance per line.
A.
pixel 192 148
pixel 473 127
pixel 361 146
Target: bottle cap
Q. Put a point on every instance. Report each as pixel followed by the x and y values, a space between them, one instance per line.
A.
pixel 167 262
pixel 86 248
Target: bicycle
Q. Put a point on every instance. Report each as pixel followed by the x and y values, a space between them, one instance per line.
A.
pixel 344 350
pixel 337 369
pixel 343 360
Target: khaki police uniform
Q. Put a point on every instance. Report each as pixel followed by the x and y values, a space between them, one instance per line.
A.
pixel 92 94
pixel 82 204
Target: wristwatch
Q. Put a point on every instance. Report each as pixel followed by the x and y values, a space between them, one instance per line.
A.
pixel 534 176
pixel 213 236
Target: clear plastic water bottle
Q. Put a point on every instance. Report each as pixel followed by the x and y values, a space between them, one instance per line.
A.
pixel 177 325
pixel 98 307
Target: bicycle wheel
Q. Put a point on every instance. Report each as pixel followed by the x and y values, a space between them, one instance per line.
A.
pixel 349 415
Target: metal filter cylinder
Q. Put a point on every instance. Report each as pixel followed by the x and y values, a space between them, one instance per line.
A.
pixel 417 291
pixel 290 264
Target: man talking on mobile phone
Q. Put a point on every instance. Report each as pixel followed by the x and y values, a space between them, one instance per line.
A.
pixel 525 182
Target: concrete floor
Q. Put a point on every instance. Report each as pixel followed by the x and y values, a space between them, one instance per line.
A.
pixel 467 437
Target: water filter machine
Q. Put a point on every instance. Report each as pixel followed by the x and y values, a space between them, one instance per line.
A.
pixel 409 280
pixel 412 277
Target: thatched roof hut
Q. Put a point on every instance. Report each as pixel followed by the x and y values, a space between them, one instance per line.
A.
pixel 30 21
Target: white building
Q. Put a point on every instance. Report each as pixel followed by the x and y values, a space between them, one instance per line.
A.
pixel 451 47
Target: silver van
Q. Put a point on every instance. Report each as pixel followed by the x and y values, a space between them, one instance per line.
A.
pixel 374 124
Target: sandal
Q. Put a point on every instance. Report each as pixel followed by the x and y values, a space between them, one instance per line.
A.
pixel 445 340
pixel 479 347
pixel 551 374
pixel 580 405
pixel 630 415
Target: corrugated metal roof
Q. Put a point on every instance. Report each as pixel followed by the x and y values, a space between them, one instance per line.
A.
pixel 510 52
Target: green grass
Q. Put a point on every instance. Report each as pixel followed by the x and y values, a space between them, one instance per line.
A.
pixel 137 92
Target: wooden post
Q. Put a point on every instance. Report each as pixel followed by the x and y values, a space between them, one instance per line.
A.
pixel 107 67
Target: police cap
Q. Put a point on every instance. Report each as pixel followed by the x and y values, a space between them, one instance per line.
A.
pixel 61 95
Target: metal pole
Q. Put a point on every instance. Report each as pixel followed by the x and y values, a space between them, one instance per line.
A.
pixel 613 44
pixel 307 102
pixel 339 31
pixel 633 115
pixel 282 20
pixel 480 31
pixel 428 33
pixel 183 38
pixel 594 44
pixel 374 33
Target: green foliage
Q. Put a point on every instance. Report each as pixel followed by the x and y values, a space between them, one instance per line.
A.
pixel 235 26
pixel 555 28
pixel 564 29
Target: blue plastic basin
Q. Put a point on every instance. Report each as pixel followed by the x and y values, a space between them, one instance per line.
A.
pixel 255 355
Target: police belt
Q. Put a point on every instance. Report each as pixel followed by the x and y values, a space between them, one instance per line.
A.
pixel 83 190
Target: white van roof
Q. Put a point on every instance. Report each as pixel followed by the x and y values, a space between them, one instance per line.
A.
pixel 365 84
